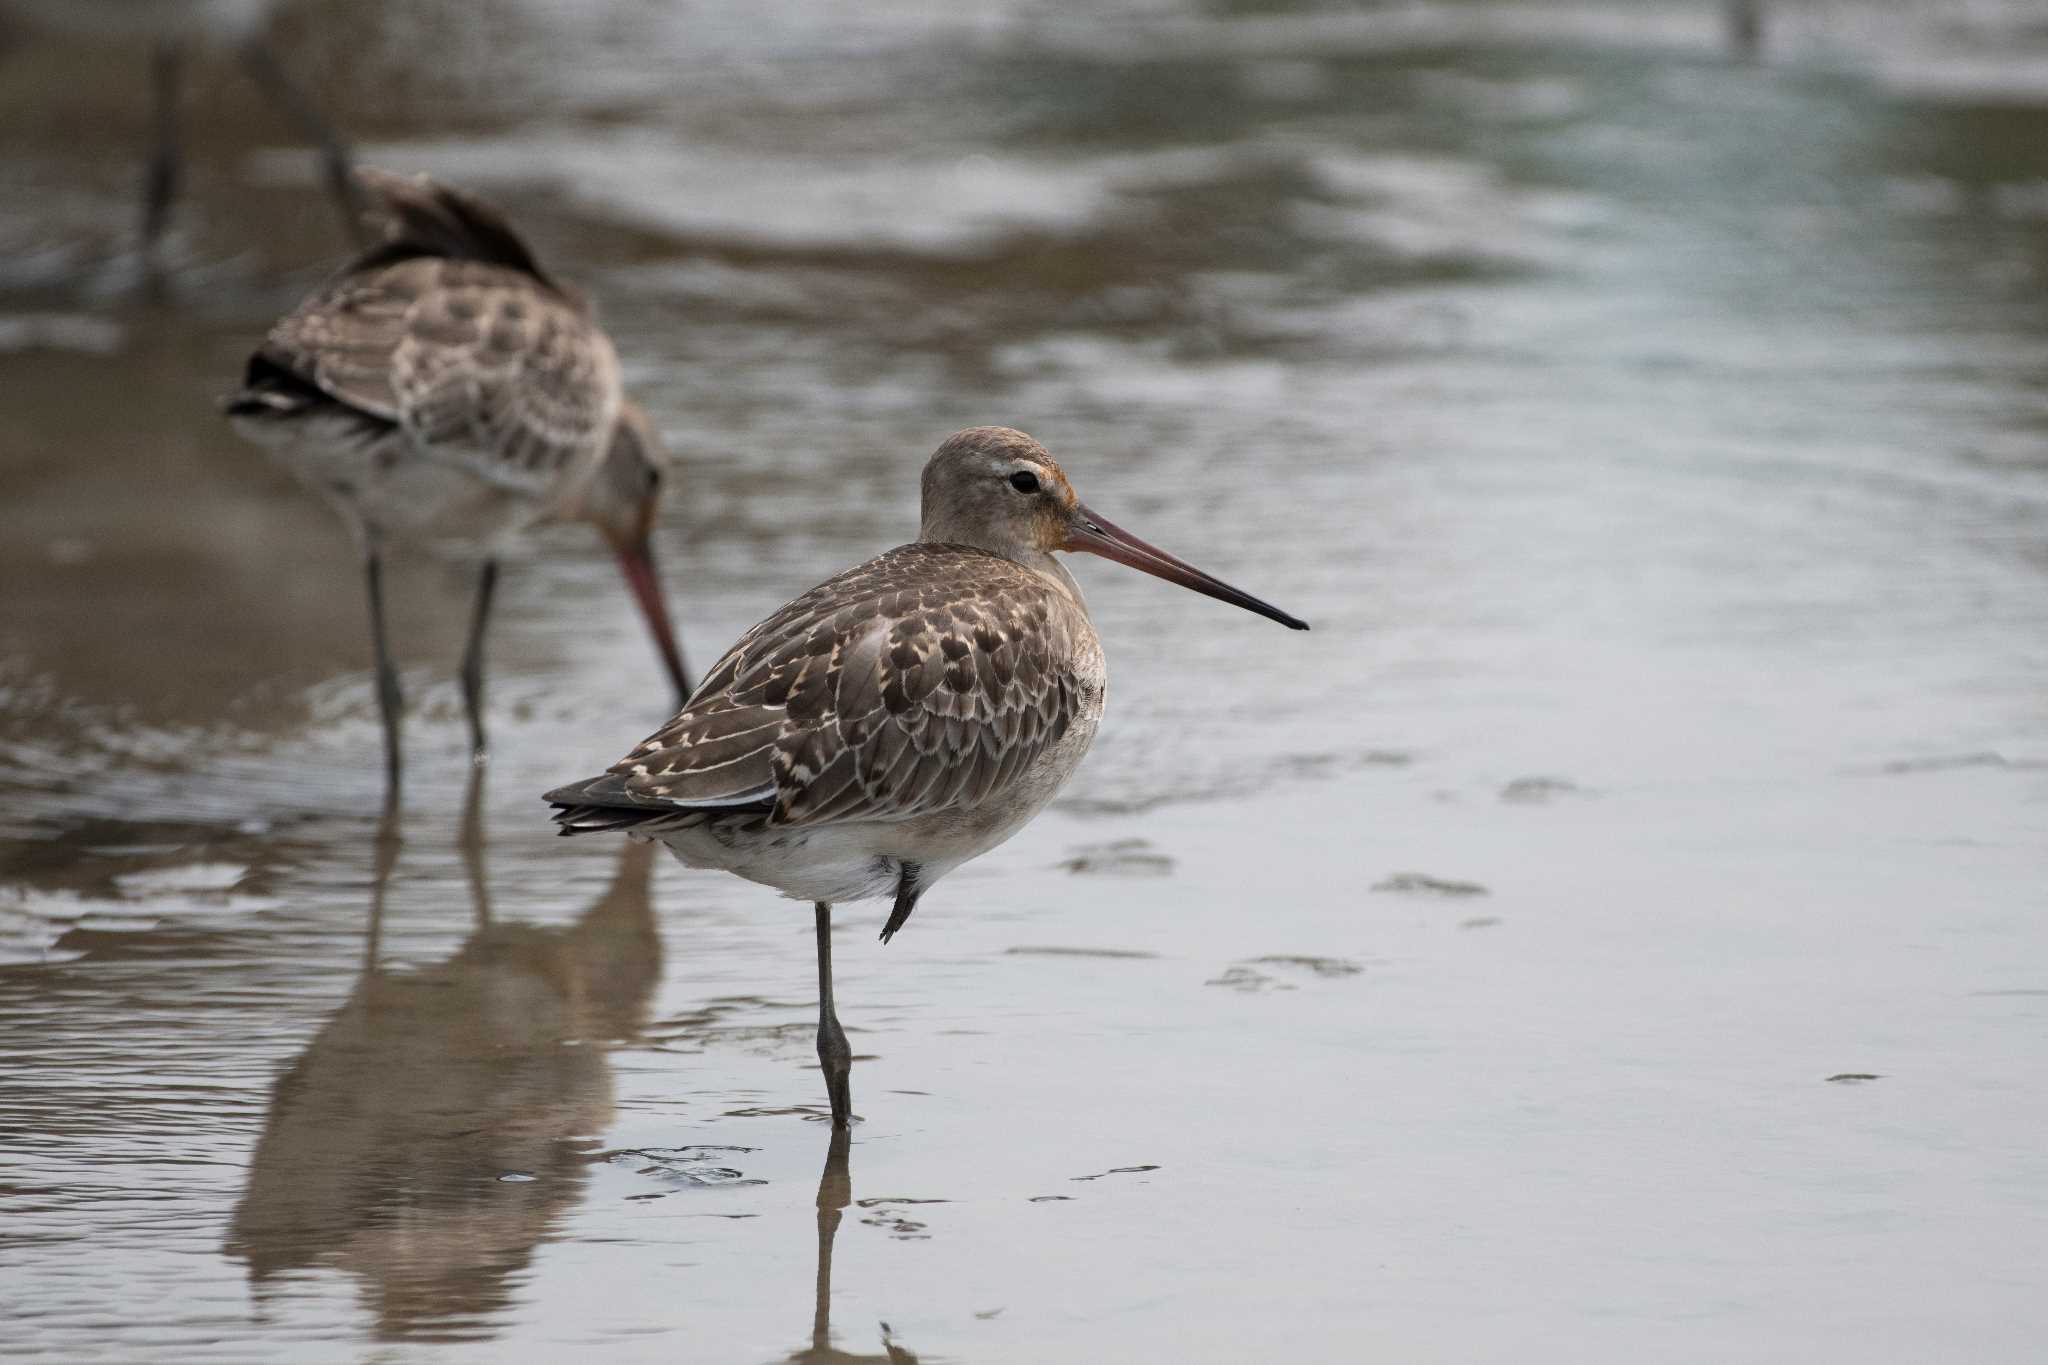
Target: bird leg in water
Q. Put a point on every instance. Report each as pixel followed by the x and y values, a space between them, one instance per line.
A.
pixel 262 66
pixel 473 659
pixel 389 700
pixel 833 1053
pixel 160 177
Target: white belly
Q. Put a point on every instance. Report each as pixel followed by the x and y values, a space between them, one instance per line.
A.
pixel 387 487
pixel 862 860
pixel 831 863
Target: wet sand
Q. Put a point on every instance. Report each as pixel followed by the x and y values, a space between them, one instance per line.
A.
pixel 1615 932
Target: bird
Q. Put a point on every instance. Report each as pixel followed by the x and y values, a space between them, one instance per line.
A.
pixel 172 28
pixel 900 718
pixel 444 388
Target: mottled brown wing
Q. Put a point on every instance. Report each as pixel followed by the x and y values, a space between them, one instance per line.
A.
pixel 927 679
pixel 479 363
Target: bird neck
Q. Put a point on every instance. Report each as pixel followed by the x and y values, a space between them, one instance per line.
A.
pixel 1041 562
pixel 1049 568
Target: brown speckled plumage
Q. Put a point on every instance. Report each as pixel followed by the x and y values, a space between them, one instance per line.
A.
pixel 926 679
pixel 451 333
pixel 472 359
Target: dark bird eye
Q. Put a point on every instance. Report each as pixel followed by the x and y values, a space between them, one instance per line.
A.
pixel 1024 482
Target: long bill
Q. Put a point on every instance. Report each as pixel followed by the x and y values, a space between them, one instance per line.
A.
pixel 1100 536
pixel 636 561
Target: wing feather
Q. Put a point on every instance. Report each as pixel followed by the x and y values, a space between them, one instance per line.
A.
pixel 927 679
pixel 478 363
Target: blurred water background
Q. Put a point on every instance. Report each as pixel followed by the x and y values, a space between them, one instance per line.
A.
pixel 1616 933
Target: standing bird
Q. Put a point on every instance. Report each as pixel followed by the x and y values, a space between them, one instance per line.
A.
pixel 444 388
pixel 899 719
pixel 172 28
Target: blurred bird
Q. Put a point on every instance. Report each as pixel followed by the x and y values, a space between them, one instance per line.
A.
pixel 172 28
pixel 899 719
pixel 444 388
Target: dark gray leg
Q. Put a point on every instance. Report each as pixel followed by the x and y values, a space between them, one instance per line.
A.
pixel 473 658
pixel 160 177
pixel 1746 28
pixel 833 1053
pixel 263 68
pixel 389 701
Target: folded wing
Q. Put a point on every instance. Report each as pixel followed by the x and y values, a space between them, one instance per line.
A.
pixel 450 331
pixel 927 679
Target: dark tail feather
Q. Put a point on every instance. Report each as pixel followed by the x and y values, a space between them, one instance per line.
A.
pixel 270 390
pixel 607 790
pixel 272 393
pixel 597 806
pixel 599 819
pixel 604 804
pixel 423 217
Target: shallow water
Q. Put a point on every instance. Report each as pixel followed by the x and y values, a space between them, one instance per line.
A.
pixel 1614 933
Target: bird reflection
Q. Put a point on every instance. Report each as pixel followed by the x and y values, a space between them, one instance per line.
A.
pixel 425 1140
pixel 835 1192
